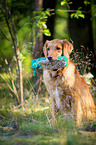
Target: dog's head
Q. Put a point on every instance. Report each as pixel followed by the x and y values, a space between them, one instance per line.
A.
pixel 54 48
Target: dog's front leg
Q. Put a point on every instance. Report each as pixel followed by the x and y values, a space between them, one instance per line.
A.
pixel 53 107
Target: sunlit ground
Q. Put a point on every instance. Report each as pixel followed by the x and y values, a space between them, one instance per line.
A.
pixel 35 125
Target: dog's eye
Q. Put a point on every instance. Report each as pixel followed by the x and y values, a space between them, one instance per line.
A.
pixel 58 48
pixel 48 49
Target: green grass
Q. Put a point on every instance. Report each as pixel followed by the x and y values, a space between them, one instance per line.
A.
pixel 34 123
pixel 36 126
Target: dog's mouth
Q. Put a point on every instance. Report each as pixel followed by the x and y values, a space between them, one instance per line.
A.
pixel 54 64
pixel 50 60
pixel 55 69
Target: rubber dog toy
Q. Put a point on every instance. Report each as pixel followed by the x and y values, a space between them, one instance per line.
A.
pixel 65 58
pixel 35 63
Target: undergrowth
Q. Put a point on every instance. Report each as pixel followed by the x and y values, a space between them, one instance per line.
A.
pixel 34 123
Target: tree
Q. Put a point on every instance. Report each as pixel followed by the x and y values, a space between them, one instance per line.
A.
pixel 39 40
pixel 38 47
pixel 41 16
pixel 18 89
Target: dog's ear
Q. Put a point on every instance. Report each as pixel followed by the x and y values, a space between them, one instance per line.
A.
pixel 45 48
pixel 67 47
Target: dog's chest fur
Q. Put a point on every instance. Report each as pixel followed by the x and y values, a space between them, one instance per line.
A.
pixel 59 87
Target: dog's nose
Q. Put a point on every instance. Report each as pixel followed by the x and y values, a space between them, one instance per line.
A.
pixel 49 57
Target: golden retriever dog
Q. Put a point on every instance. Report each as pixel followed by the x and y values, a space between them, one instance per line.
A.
pixel 68 91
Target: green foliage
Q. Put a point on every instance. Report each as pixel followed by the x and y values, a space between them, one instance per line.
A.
pixel 26 27
pixel 66 2
pixel 33 126
pixel 86 2
pixel 78 14
pixel 61 22
pixel 40 20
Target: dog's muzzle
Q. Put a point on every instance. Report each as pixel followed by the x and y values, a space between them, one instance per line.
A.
pixel 49 58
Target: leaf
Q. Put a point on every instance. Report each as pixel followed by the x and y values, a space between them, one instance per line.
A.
pixel 70 3
pixel 22 57
pixel 79 9
pixel 88 78
pixel 72 15
pixel 48 12
pixel 44 25
pixel 86 2
pixel 78 14
pixel 82 16
pixel 47 32
pixel 63 3
pixel 88 75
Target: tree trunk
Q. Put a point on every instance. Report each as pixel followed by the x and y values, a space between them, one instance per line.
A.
pixel 39 40
pixel 38 48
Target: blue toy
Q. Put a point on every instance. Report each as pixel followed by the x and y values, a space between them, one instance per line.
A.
pixel 65 58
pixel 35 63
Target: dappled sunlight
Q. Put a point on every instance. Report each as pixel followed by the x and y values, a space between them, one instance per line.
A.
pixel 26 116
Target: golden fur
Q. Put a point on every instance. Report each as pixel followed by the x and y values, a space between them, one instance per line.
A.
pixel 68 91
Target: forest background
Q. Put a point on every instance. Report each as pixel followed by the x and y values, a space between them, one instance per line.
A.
pixel 24 27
